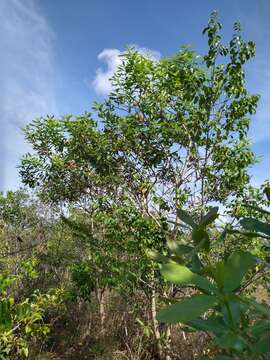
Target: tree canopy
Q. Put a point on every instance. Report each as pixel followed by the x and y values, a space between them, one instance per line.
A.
pixel 172 132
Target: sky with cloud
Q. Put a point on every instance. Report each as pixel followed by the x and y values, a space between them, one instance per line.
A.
pixel 57 57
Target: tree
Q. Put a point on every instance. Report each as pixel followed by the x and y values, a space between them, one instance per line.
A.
pixel 170 128
pixel 172 134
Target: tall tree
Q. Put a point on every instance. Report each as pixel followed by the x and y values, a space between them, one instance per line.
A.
pixel 173 133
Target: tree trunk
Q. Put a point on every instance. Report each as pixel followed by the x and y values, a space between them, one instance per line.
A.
pixel 155 324
pixel 101 303
pixel 168 342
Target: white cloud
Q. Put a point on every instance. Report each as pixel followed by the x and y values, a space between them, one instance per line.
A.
pixel 27 79
pixel 112 59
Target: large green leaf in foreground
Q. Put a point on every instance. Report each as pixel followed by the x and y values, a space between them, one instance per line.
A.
pixel 179 274
pixel 255 225
pixel 235 269
pixel 187 309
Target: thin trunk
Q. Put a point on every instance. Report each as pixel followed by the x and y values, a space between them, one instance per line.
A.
pixel 102 312
pixel 168 342
pixel 155 324
pixel 100 293
pixel 167 330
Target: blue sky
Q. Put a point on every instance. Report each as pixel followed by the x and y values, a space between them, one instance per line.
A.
pixel 57 57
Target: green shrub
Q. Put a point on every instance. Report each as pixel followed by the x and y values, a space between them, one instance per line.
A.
pixel 237 323
pixel 22 320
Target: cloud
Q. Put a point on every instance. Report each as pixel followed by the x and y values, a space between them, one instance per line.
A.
pixel 27 79
pixel 112 59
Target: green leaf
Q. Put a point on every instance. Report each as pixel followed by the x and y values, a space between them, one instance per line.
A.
pixel 23 310
pixel 28 329
pixel 246 234
pixel 180 274
pixel 25 351
pixel 257 208
pixel 267 192
pixel 196 265
pixel 213 324
pixel 209 217
pixel 5 315
pixel 186 218
pixel 231 312
pixel 230 341
pixel 154 255
pixel 235 269
pixel 201 238
pixel 260 327
pixel 261 347
pixel 258 307
pixel 255 225
pixel 179 249
pixel 187 309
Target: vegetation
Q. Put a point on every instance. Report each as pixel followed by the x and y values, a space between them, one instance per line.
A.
pixel 236 321
pixel 117 250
